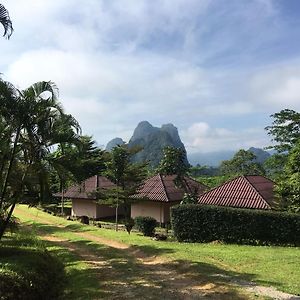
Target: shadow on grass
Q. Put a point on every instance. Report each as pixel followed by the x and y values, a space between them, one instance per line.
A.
pixel 117 274
pixel 133 273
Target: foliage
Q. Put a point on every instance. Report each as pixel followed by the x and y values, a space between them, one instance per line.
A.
pixel 28 271
pixel 173 162
pixel 129 223
pixel 274 166
pixel 127 177
pixel 5 21
pixel 146 225
pixel 75 161
pixel 285 132
pixel 285 129
pixel 289 187
pixel 13 223
pixel 242 163
pixel 32 122
pixel 191 198
pixel 198 223
pixel 198 170
pixel 213 181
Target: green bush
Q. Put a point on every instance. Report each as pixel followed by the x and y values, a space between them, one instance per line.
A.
pixel 199 223
pixel 129 225
pixel 29 272
pixel 146 225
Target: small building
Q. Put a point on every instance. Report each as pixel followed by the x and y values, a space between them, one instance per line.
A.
pixel 254 192
pixel 159 193
pixel 84 203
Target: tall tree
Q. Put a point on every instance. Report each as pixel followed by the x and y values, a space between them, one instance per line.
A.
pixel 173 162
pixel 32 116
pixel 242 163
pixel 289 187
pixel 127 176
pixel 75 162
pixel 285 130
pixel 5 22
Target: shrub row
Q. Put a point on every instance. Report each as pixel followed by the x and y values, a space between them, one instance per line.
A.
pixel 146 225
pixel 198 223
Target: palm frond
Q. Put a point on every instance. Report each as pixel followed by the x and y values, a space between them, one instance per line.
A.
pixel 37 89
pixel 6 22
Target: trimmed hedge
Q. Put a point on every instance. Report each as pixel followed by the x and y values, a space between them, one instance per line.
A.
pixel 146 225
pixel 199 223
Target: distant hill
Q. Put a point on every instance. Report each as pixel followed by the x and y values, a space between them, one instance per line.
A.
pixel 215 158
pixel 210 159
pixel 261 155
pixel 113 143
pixel 153 140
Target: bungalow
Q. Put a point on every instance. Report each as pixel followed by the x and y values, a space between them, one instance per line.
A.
pixel 84 203
pixel 159 193
pixel 254 192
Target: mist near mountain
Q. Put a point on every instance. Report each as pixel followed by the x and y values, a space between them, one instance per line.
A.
pixel 214 159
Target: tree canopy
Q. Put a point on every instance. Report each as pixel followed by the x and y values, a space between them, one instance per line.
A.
pixel 285 129
pixel 284 166
pixel 32 121
pixel 242 163
pixel 5 21
pixel 289 187
pixel 127 176
pixel 173 162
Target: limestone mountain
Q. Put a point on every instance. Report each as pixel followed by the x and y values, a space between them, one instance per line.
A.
pixel 153 140
pixel 113 143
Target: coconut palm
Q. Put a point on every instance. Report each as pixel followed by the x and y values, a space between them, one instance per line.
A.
pixel 37 122
pixel 6 22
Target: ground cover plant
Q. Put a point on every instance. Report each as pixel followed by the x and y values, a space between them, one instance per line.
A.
pixel 27 270
pixel 266 265
pixel 146 225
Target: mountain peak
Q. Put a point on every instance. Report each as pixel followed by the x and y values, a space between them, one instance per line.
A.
pixel 142 130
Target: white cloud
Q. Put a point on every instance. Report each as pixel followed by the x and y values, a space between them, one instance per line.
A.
pixel 201 137
pixel 182 61
pixel 277 86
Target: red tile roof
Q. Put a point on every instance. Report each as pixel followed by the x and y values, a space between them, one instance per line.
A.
pixel 243 192
pixel 83 190
pixel 163 188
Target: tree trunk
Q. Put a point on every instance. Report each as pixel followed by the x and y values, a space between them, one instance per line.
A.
pixel 12 158
pixel 117 217
pixel 4 226
pixel 62 201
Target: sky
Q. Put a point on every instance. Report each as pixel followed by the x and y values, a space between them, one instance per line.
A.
pixel 216 69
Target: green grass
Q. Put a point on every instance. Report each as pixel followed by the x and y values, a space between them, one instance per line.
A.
pixel 266 265
pixel 23 261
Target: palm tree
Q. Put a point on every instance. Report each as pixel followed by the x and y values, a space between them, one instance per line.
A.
pixel 6 22
pixel 35 119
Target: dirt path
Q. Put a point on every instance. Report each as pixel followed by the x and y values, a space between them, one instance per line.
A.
pixel 128 273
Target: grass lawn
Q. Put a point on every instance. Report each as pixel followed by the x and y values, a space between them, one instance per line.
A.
pixel 275 266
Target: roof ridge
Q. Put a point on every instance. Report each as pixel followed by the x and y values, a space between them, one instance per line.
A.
pixel 164 187
pixel 245 176
pixel 253 187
